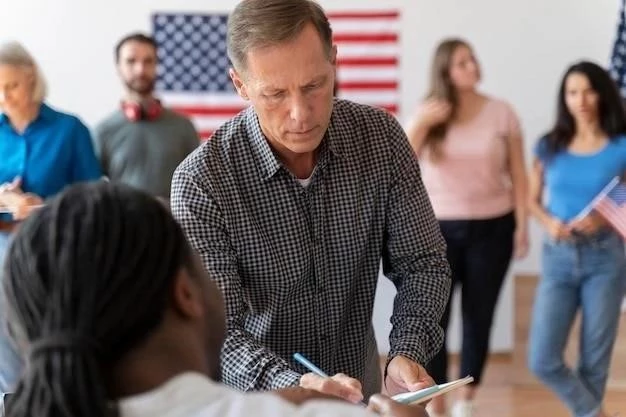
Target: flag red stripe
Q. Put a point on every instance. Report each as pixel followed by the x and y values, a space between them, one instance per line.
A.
pixel 365 37
pixel 363 15
pixel 205 134
pixel 368 85
pixel 209 110
pixel 358 62
pixel 613 214
pixel 391 108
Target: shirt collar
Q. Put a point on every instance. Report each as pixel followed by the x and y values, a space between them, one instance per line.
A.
pixel 45 114
pixel 268 162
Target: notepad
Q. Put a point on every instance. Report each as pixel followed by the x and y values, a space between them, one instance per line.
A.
pixel 426 394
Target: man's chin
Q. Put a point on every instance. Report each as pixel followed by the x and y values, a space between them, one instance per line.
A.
pixel 142 90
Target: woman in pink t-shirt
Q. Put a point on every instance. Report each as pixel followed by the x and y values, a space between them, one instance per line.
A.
pixel 471 156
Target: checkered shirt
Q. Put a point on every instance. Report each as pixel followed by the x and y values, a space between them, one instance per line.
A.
pixel 298 266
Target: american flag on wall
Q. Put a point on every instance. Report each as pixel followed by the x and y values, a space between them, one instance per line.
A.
pixel 193 72
pixel 618 55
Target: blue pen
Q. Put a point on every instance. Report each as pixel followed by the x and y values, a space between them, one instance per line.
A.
pixel 311 367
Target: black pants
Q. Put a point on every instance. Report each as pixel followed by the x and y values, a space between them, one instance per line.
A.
pixel 479 253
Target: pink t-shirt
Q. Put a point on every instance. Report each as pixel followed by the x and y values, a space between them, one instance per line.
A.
pixel 471 179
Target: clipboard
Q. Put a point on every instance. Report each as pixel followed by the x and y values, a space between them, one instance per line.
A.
pixel 423 395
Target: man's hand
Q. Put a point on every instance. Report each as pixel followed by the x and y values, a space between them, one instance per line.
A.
pixel 340 385
pixel 404 375
pixel 387 407
pixel 299 395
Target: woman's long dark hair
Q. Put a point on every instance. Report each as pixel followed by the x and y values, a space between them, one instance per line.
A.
pixel 611 115
pixel 88 277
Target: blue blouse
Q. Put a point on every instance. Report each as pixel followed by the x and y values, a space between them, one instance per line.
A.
pixel 55 150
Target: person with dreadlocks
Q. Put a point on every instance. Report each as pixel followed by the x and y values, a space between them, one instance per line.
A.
pixel 118 318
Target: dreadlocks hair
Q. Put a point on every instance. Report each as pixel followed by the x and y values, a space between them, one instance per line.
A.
pixel 88 277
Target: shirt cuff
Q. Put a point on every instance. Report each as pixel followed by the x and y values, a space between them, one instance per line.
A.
pixel 286 379
pixel 416 355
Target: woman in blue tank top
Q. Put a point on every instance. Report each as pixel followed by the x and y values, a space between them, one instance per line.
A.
pixel 583 262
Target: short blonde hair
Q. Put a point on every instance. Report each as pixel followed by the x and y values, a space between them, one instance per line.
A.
pixel 14 54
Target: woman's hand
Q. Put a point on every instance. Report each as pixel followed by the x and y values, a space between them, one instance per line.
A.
pixel 589 224
pixel 520 243
pixel 557 229
pixel 434 111
pixel 19 203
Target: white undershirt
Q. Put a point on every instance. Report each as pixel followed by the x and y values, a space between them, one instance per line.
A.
pixel 306 181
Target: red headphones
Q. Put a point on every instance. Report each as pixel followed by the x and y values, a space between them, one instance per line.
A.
pixel 138 111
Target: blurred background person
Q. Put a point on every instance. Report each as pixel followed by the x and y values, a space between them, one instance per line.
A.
pixel 142 142
pixel 472 160
pixel 583 266
pixel 42 150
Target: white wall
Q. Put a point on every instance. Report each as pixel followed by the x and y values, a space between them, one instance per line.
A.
pixel 523 47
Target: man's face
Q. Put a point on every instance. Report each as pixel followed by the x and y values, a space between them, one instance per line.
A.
pixel 137 67
pixel 291 88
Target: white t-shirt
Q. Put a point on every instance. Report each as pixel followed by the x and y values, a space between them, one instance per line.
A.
pixel 195 395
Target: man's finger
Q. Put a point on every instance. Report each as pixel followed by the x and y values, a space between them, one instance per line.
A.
pixel 416 378
pixel 379 404
pixel 349 382
pixel 387 407
pixel 331 387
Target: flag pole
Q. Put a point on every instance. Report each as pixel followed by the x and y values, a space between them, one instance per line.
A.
pixel 589 207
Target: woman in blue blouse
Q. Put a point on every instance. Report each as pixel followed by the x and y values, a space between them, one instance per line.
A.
pixel 583 262
pixel 42 150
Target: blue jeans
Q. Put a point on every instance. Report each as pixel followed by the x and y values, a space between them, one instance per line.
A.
pixel 586 274
pixel 10 361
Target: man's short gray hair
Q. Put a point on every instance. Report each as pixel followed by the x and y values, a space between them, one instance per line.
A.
pixel 260 23
pixel 14 54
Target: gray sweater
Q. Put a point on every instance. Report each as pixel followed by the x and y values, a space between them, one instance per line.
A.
pixel 144 154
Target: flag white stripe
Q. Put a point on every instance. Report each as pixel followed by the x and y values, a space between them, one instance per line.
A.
pixel 209 122
pixel 367 73
pixel 355 26
pixel 367 50
pixel 202 99
pixel 374 96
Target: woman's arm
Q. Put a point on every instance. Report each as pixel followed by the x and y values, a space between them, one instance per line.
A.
pixel 520 193
pixel 555 227
pixel 429 114
pixel 416 132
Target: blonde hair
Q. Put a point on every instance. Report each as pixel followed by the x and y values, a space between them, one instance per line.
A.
pixel 14 54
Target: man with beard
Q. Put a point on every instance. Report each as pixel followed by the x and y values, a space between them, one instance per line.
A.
pixel 142 142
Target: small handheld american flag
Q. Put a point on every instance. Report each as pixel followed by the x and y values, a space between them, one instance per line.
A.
pixel 610 203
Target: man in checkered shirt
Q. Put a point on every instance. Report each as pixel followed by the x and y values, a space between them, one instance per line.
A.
pixel 293 203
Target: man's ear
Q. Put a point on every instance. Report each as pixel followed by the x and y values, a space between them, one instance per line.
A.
pixel 187 297
pixel 238 83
